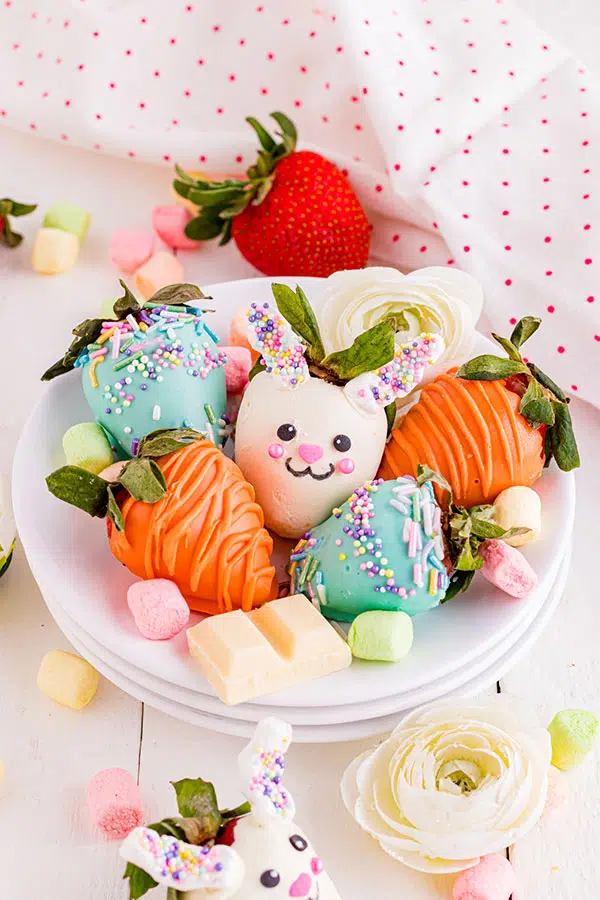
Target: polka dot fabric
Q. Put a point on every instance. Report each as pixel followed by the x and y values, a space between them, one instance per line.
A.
pixel 468 134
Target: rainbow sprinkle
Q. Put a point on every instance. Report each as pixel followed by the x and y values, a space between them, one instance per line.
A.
pixel 283 355
pixel 176 863
pixel 420 532
pixel 406 369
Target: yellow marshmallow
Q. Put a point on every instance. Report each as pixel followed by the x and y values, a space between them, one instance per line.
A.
pixel 161 269
pixel 519 507
pixel 54 251
pixel 68 679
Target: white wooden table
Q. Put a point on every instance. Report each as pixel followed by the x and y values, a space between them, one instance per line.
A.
pixel 49 752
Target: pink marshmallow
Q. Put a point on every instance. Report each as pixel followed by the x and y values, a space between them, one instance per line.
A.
pixel 507 568
pixel 115 802
pixel 238 333
pixel 493 878
pixel 237 368
pixel 158 608
pixel 160 270
pixel 129 249
pixel 169 223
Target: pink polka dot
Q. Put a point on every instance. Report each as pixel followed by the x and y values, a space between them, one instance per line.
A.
pixel 591 298
pixel 513 321
pixel 546 206
pixel 467 249
pixel 506 150
pixel 397 167
pixel 449 262
pixel 549 272
pixel 508 282
pixel 588 261
pixel 172 41
pixel 465 215
pixel 157 74
pixel 597 337
pixel 400 127
pixel 423 248
pixel 585 197
pixel 505 184
pixel 378 188
pixel 561 349
pixel 166 157
pixel 187 93
pixel 508 247
pixel 550 309
pixel 547 239
pixel 200 62
pixel 574 387
pixel 395 238
pixel 505 212
pixel 546 180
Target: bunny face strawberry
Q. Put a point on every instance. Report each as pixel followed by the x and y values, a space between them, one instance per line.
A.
pixel 261 856
pixel 303 442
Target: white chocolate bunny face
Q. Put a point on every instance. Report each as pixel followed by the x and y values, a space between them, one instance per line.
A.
pixel 267 857
pixel 279 864
pixel 305 451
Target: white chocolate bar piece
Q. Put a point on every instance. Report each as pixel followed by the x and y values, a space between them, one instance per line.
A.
pixel 247 655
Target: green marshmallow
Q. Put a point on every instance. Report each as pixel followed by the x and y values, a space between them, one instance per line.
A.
pixel 68 217
pixel 87 446
pixel 573 733
pixel 381 635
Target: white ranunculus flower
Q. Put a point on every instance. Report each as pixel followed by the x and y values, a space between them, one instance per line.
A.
pixel 456 780
pixel 440 299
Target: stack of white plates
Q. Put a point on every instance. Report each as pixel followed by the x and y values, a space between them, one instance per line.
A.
pixel 462 646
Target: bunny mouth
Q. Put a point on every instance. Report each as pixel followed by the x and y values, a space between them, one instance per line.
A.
pixel 308 471
pixel 317 893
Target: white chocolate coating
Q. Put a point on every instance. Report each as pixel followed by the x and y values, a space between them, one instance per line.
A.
pixel 519 507
pixel 319 411
pixel 266 848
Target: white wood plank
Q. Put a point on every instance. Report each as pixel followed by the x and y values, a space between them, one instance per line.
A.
pixel 563 670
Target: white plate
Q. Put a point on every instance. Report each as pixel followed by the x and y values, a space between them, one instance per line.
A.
pixel 347 712
pixel 70 559
pixel 326 733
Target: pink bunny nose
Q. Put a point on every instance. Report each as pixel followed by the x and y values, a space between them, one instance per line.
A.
pixel 301 887
pixel 310 453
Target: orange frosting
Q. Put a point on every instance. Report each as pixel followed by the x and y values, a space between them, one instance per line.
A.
pixel 472 433
pixel 207 535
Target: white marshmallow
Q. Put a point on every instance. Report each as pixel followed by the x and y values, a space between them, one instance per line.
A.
pixel 519 507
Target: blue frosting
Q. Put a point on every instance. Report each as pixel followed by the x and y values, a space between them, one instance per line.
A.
pixel 383 549
pixel 168 376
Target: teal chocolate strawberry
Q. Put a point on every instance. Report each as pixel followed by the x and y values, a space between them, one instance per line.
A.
pixel 151 367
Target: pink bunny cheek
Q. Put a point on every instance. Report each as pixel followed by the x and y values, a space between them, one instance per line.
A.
pixel 316 865
pixel 346 466
pixel 275 451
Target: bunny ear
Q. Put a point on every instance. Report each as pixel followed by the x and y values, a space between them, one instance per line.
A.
pixel 399 377
pixel 272 336
pixel 261 766
pixel 185 867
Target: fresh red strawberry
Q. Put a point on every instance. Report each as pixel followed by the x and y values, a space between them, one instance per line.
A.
pixel 8 207
pixel 294 213
pixel 228 835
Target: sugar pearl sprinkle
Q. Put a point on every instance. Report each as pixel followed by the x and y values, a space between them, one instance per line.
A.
pixel 177 861
pixel 145 350
pixel 420 532
pixel 406 369
pixel 272 336
pixel 268 766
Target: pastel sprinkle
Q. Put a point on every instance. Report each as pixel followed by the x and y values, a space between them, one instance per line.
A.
pixel 156 413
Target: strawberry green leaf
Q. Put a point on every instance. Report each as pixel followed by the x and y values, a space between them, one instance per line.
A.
pixel 535 405
pixel 127 304
pixel 113 511
pixel 524 329
pixel 390 415
pixel 80 488
pixel 294 306
pixel 547 382
pixel 200 229
pixel 288 129
pixel 510 348
pixel 197 799
pixel 564 445
pixel 490 368
pixel 144 480
pixel 257 368
pixel 370 350
pixel 266 141
pixel 139 881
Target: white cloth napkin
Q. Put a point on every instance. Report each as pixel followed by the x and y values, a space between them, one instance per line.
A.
pixel 468 134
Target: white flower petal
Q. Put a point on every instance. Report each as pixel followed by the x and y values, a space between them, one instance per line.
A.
pixel 425 823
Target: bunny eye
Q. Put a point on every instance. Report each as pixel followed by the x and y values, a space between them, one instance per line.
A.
pixel 298 843
pixel 342 443
pixel 286 432
pixel 270 878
